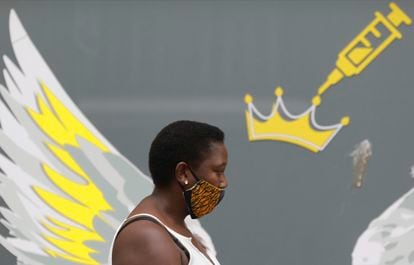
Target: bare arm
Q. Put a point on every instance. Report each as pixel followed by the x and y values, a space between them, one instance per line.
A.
pixel 143 243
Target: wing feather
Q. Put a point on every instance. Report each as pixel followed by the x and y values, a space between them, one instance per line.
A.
pixel 389 237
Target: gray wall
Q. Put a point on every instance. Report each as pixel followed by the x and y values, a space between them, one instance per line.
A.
pixel 134 66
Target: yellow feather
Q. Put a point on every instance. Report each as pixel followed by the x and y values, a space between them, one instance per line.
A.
pixel 84 201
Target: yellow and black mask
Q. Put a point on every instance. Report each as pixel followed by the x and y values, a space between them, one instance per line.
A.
pixel 202 197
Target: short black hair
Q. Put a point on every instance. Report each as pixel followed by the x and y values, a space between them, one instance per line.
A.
pixel 180 141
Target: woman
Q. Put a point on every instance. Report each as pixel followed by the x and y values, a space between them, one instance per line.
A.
pixel 187 161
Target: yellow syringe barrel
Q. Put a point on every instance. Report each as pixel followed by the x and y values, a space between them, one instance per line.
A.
pixel 359 53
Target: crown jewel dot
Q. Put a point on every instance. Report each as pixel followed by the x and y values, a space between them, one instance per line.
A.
pixel 279 91
pixel 316 101
pixel 345 121
pixel 248 99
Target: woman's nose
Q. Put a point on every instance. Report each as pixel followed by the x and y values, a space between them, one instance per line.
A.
pixel 223 182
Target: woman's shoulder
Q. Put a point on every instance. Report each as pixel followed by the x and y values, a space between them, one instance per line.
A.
pixel 141 240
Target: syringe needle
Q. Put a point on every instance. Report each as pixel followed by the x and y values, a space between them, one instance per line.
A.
pixel 333 78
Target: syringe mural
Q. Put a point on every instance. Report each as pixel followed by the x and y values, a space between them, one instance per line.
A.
pixel 303 130
pixel 66 189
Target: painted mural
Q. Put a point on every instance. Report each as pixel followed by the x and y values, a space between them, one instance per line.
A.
pixel 66 188
pixel 302 129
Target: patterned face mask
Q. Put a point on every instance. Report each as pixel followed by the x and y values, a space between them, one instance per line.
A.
pixel 202 197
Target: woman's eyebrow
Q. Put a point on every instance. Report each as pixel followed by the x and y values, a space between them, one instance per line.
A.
pixel 223 164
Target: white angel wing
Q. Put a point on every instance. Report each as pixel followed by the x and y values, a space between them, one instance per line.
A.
pixel 389 239
pixel 66 189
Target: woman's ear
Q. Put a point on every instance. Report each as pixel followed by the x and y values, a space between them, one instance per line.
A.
pixel 180 173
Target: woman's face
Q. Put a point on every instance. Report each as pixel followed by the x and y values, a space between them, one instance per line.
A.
pixel 212 168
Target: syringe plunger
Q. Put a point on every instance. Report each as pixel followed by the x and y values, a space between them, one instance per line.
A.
pixel 397 16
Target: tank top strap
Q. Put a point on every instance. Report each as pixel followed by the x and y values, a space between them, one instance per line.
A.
pixel 154 219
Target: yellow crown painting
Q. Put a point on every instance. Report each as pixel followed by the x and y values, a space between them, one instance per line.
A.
pixel 302 130
pixel 283 126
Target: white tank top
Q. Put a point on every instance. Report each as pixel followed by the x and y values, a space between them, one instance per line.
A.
pixel 196 256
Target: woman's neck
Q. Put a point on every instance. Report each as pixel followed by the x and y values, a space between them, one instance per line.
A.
pixel 170 201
